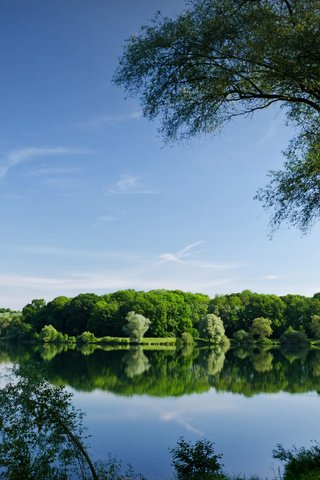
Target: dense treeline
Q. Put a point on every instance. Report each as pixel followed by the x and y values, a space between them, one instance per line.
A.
pixel 171 313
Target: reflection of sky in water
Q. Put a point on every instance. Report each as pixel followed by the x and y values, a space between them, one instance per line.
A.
pixel 140 429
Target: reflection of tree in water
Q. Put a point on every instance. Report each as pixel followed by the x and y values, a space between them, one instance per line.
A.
pixel 315 364
pixel 294 352
pixel 87 349
pixel 215 361
pixel 49 350
pixel 241 353
pixel 262 361
pixel 170 373
pixel 136 363
pixel 187 350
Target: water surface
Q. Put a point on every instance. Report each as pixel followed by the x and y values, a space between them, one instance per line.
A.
pixel 138 402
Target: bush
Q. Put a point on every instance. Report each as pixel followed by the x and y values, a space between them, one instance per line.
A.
pixel 241 336
pixel 299 464
pixel 49 334
pixel 187 338
pixel 87 337
pixel 295 337
pixel 196 462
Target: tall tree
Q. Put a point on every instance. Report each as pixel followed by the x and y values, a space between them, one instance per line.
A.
pixel 223 58
pixel 211 327
pixel 136 326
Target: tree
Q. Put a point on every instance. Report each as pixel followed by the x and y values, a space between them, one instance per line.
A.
pixel 196 462
pixel 261 328
pixel 241 336
pixel 87 337
pixel 223 58
pixel 299 463
pixel 136 326
pixel 294 337
pixel 49 334
pixel 41 433
pixel 211 327
pixel 33 310
pixel 315 326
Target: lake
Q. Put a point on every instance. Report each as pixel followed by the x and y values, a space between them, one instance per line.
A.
pixel 138 402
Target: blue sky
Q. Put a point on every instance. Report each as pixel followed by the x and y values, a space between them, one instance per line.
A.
pixel 92 200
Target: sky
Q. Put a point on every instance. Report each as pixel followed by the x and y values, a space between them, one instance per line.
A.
pixel 91 197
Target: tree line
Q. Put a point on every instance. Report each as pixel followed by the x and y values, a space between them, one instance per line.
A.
pixel 171 313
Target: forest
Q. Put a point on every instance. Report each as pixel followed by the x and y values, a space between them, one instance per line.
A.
pixel 170 314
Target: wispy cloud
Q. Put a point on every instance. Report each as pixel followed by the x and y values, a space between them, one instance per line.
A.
pixel 109 120
pixel 176 417
pixel 17 157
pixel 51 250
pixel 270 277
pixel 52 171
pixel 21 288
pixel 129 184
pixel 9 196
pixel 178 256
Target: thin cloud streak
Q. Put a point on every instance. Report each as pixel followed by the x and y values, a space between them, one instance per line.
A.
pixel 128 185
pixel 179 255
pixel 52 171
pixel 78 253
pixel 109 120
pixel 24 155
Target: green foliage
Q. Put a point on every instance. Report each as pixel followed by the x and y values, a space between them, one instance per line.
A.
pixel 12 326
pixel 30 310
pixel 171 313
pixel 241 336
pixel 211 327
pixel 187 339
pixel 261 328
pixel 315 326
pixel 293 192
pixel 220 59
pixel 41 434
pixel 196 462
pixel 136 362
pixel 87 337
pixel 136 326
pixel 262 361
pixel 294 337
pixel 49 334
pixel 299 463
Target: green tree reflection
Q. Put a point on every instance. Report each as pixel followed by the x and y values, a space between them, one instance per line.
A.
pixel 137 371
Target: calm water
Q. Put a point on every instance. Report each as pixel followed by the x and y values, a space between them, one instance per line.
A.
pixel 138 402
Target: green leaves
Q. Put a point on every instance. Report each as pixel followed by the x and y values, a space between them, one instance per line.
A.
pixel 196 462
pixel 41 434
pixel 223 58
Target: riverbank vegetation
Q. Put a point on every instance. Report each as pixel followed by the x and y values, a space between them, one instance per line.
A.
pixel 136 316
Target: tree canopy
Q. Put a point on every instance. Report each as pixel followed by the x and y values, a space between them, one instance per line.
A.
pixel 223 58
